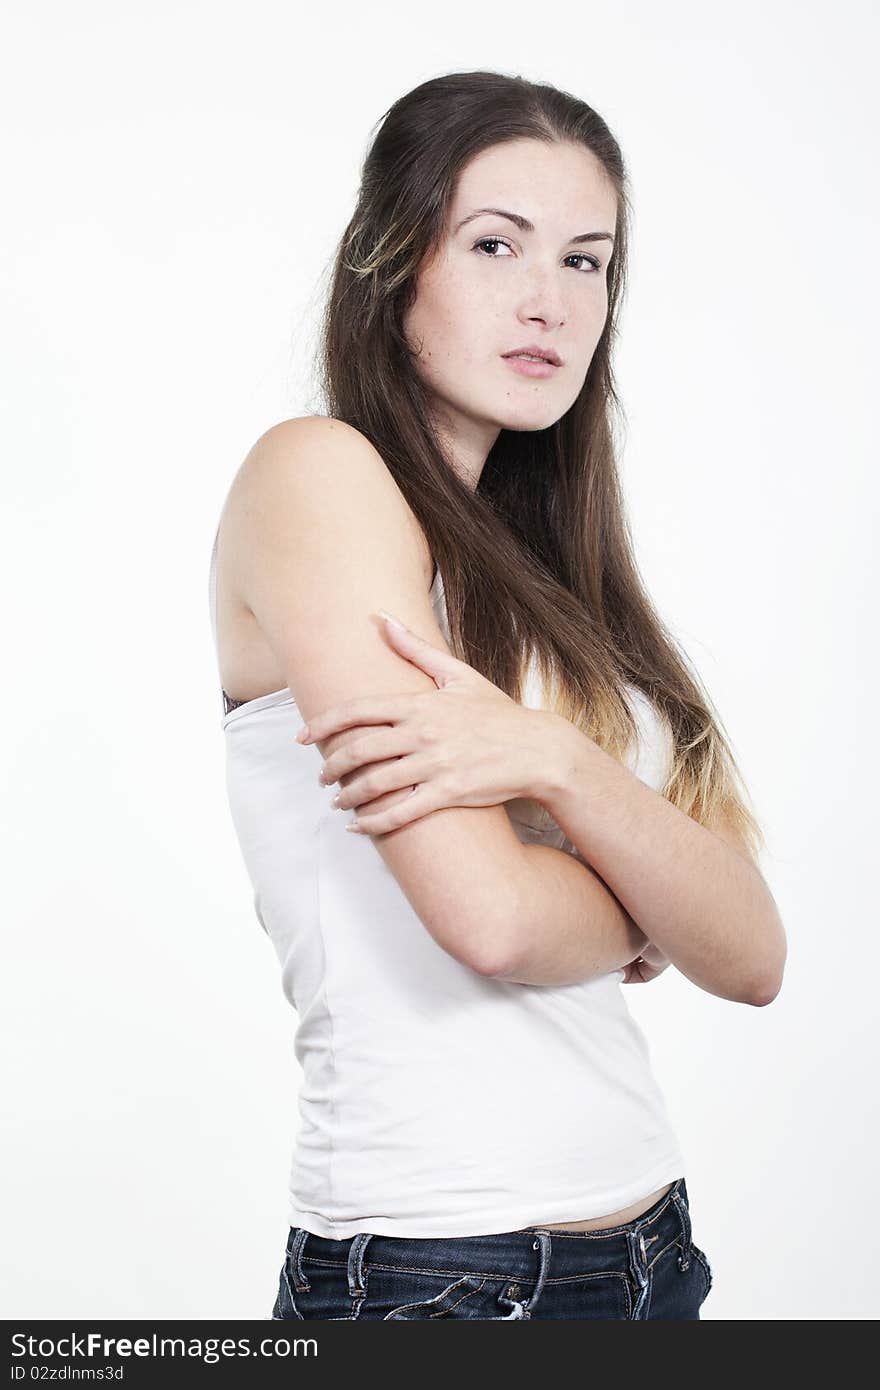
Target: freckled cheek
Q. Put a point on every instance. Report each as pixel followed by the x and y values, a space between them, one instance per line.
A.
pixel 453 344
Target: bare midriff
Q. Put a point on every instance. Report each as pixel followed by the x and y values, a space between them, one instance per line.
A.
pixel 614 1218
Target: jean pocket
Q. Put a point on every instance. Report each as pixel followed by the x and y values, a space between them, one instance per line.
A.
pixel 705 1267
pixel 451 1302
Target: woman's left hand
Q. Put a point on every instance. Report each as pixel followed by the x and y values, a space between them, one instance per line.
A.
pixel 650 963
pixel 466 743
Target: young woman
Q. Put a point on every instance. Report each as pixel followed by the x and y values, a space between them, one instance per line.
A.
pixel 547 808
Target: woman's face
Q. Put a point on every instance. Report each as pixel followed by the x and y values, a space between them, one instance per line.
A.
pixel 494 287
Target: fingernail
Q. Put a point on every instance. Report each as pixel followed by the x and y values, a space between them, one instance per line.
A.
pixel 388 618
pixel 353 825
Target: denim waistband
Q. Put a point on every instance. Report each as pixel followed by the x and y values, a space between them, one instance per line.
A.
pixel 526 1254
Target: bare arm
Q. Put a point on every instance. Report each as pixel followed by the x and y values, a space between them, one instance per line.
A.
pixel 323 539
pixel 695 893
pixel 572 926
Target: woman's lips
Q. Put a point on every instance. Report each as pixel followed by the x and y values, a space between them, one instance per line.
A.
pixel 529 367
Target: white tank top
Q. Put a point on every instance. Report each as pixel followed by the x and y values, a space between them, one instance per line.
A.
pixel 433 1101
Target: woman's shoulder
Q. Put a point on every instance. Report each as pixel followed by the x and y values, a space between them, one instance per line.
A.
pixel 324 457
pixel 307 429
pixel 293 441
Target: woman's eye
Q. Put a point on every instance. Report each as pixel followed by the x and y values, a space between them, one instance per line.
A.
pixel 492 241
pixel 498 241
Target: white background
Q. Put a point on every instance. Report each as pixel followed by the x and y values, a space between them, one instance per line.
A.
pixel 175 179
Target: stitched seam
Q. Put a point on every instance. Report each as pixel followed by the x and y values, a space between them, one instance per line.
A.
pixel 628 1291
pixel 476 1273
pixel 698 1254
pixel 480 1273
pixel 319 868
pixel 427 1302
pixel 465 1295
pixel 291 1294
pixel 671 1246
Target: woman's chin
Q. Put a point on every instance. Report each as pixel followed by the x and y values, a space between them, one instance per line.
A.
pixel 537 416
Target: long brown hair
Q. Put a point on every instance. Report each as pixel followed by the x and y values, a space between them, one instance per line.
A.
pixel 539 559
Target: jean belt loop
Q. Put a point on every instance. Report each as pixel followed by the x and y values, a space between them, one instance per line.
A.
pixel 356 1285
pixel 300 1282
pixel 638 1262
pixel 684 1217
pixel 542 1243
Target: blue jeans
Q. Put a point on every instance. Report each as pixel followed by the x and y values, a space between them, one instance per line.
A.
pixel 645 1268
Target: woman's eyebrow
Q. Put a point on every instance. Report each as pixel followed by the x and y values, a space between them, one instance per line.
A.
pixel 526 226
